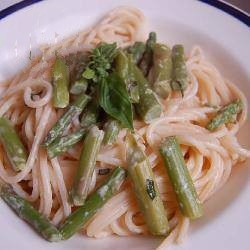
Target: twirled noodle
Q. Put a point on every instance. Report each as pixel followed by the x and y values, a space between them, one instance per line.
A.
pixel 26 101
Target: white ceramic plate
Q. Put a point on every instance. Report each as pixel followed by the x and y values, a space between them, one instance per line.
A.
pixel 226 223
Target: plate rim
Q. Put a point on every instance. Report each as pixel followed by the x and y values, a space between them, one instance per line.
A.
pixel 228 8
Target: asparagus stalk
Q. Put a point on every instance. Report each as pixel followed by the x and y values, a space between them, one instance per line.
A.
pixel 180 178
pixel 79 86
pixel 11 142
pixel 82 180
pixel 124 68
pixel 147 59
pixel 28 213
pixel 111 128
pixel 74 109
pixel 76 63
pixel 162 70
pixel 62 144
pixel 146 188
pixel 60 74
pixel 137 51
pixel 149 106
pixel 90 116
pixel 180 75
pixel 225 115
pixel 94 202
pixel 134 93
pixel 133 86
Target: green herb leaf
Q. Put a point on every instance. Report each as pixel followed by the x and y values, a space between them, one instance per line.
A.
pixel 150 188
pixel 88 73
pixel 114 99
pixel 100 62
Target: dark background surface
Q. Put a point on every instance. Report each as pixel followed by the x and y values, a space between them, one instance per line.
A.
pixel 242 4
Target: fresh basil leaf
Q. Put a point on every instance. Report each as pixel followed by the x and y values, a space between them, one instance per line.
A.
pixel 114 99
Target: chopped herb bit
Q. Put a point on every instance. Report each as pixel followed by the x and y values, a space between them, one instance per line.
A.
pixel 150 188
pixel 104 171
pixel 211 106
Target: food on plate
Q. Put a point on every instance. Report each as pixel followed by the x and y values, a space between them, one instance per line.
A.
pixel 111 131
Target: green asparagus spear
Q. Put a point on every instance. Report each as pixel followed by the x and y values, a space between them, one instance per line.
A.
pixel 137 51
pixel 76 63
pixel 111 129
pixel 147 59
pixel 180 75
pixel 79 86
pixel 134 93
pixel 133 86
pixel 149 106
pixel 94 202
pixel 146 188
pixel 225 115
pixel 124 67
pixel 180 178
pixel 62 144
pixel 91 147
pixel 61 83
pixel 15 150
pixel 28 213
pixel 90 116
pixel 74 109
pixel 162 70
